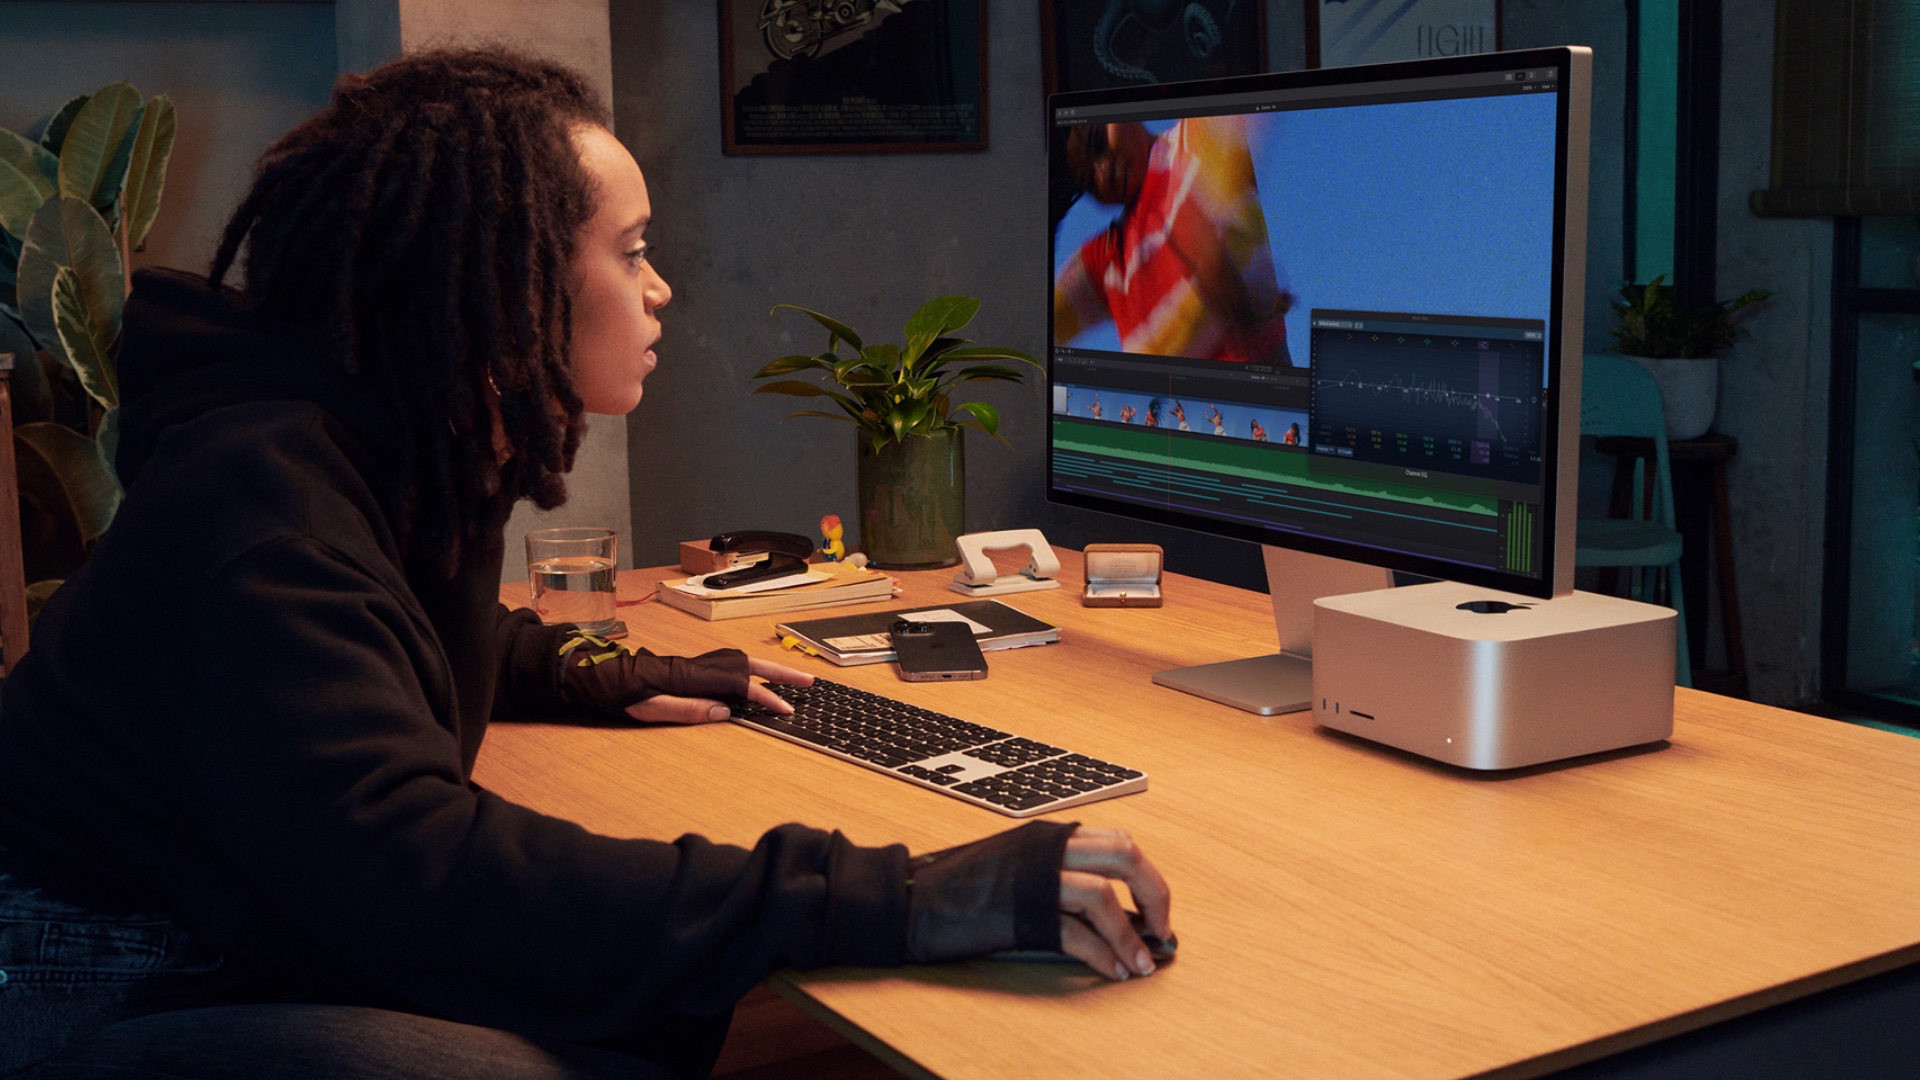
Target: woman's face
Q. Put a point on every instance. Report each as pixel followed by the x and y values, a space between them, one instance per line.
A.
pixel 616 290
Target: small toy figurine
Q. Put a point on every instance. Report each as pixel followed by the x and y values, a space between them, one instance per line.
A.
pixel 830 528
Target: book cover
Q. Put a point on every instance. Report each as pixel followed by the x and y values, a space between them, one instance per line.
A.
pixel 845 585
pixel 848 640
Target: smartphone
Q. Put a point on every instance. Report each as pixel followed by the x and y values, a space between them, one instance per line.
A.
pixel 937 651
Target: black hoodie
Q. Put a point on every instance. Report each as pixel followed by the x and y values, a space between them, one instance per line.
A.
pixel 242 713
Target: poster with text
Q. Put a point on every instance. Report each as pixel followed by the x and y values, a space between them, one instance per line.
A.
pixel 1342 32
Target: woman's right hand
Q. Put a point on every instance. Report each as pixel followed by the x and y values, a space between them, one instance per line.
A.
pixel 1094 928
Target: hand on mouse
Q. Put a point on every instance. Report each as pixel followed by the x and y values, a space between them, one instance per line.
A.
pixel 998 895
pixel 1094 928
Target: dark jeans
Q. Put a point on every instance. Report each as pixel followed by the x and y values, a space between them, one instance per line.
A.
pixel 91 996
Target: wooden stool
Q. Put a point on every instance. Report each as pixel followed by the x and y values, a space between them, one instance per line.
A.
pixel 1701 506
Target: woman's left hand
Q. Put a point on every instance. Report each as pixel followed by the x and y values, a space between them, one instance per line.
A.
pixel 669 709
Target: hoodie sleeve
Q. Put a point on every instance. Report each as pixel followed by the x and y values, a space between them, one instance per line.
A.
pixel 321 773
pixel 529 678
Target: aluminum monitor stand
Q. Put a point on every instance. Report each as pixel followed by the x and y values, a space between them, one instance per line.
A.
pixel 1281 682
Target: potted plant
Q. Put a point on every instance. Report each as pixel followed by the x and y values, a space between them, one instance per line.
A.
pixel 1680 345
pixel 911 453
pixel 73 205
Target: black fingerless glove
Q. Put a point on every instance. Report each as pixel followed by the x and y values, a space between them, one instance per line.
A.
pixel 601 678
pixel 995 894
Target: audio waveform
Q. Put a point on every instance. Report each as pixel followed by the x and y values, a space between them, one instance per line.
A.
pixel 1413 392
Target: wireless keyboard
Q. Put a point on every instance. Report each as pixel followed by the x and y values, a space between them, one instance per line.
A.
pixel 993 769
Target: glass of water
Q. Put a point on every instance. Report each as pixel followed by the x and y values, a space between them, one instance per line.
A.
pixel 571 571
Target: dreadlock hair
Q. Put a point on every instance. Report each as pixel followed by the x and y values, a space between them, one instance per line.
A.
pixel 424 221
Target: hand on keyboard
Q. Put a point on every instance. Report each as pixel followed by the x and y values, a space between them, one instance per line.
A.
pixel 702 697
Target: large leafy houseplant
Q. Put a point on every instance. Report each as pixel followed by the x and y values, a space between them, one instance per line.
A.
pixel 73 205
pixel 899 398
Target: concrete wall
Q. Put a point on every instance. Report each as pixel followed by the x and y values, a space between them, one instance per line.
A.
pixel 1773 387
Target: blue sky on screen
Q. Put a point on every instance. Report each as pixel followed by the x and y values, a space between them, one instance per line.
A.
pixel 1443 207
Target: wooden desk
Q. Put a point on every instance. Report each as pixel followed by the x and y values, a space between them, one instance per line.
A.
pixel 1343 910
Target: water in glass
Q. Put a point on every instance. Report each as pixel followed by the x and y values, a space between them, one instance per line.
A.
pixel 575 589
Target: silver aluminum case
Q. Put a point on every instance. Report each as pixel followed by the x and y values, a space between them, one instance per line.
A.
pixel 1572 316
pixel 1561 678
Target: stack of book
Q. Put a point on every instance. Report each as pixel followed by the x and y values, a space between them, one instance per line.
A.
pixel 826 585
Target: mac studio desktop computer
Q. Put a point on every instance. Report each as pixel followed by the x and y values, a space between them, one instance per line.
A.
pixel 1338 313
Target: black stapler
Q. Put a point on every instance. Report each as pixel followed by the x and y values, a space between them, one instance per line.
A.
pixel 786 555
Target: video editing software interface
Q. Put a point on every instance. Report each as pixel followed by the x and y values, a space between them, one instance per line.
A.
pixel 1320 310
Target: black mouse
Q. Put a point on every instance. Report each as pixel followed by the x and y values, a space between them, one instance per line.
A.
pixel 1162 950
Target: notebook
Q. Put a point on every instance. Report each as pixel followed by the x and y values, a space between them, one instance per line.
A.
pixel 848 640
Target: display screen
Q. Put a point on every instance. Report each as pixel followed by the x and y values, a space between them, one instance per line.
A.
pixel 1317 310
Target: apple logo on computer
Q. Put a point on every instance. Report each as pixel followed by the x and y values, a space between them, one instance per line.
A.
pixel 1490 607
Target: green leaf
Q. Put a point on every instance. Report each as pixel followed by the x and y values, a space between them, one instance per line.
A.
pixel 147 171
pixel 99 145
pixel 885 357
pixel 66 232
pixel 825 415
pixel 56 133
pixel 19 198
pixel 941 315
pixel 987 352
pixel 916 417
pixel 787 365
pixel 791 387
pixel 33 161
pixel 989 371
pixel 89 347
pixel 840 331
pixel 987 416
pixel 109 439
pixel 91 491
pixel 860 375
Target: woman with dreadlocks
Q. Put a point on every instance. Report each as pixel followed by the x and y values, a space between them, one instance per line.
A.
pixel 237 832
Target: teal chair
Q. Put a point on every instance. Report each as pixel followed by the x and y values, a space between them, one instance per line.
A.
pixel 1619 397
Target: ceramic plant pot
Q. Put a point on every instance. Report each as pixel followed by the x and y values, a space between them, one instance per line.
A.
pixel 1691 390
pixel 913 500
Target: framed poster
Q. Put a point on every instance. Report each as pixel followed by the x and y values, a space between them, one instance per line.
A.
pixel 1096 44
pixel 1342 32
pixel 853 76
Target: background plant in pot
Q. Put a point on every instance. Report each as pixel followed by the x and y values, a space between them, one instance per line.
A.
pixel 911 449
pixel 73 205
pixel 1680 345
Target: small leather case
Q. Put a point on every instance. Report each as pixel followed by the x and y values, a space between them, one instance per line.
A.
pixel 1123 575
